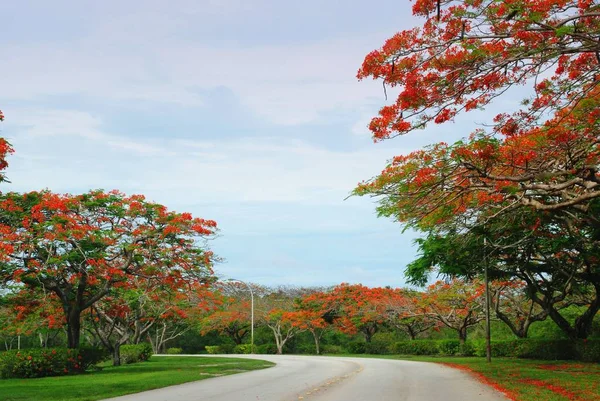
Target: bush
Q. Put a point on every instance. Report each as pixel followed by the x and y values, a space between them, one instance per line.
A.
pixel 47 362
pixel 377 348
pixel 306 349
pixel 266 349
pixel 332 349
pixel 415 347
pixel 530 348
pixel 213 349
pixel 174 351
pixel 466 349
pixel 588 350
pixel 449 347
pixel 242 349
pixel 545 349
pixel 356 347
pixel 91 356
pixel 135 353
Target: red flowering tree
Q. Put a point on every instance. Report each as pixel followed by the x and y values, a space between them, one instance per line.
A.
pixel 404 312
pixel 310 314
pixel 466 54
pixel 358 309
pixel 231 317
pixel 81 247
pixel 536 168
pixel 5 150
pixel 458 305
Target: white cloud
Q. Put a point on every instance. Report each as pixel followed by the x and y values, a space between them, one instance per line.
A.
pixel 286 84
pixel 258 169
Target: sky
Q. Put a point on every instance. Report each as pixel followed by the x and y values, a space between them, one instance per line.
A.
pixel 245 112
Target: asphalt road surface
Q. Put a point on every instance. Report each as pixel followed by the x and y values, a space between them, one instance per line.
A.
pixel 312 378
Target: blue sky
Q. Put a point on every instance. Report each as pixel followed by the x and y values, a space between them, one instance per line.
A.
pixel 245 112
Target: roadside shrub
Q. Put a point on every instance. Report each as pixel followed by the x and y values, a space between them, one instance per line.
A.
pixel 588 350
pixel 47 362
pixel 466 349
pixel 499 348
pixel 377 348
pixel 356 347
pixel 449 347
pixel 532 348
pixel 213 349
pixel 545 349
pixel 416 347
pixel 306 349
pixel 174 351
pixel 227 348
pixel 242 349
pixel 266 349
pixel 332 349
pixel 91 356
pixel 135 353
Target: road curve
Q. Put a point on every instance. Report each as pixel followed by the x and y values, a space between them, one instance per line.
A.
pixel 313 378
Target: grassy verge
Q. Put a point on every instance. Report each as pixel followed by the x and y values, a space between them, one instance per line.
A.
pixel 528 380
pixel 114 381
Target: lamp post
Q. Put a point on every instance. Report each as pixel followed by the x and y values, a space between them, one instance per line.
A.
pixel 488 340
pixel 251 311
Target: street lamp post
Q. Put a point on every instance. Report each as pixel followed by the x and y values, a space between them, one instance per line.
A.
pixel 488 334
pixel 251 311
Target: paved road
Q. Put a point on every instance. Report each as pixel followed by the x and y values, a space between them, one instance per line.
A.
pixel 312 378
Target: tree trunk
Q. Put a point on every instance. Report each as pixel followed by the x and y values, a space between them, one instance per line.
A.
pixel 116 354
pixel 73 327
pixel 369 331
pixel 411 333
pixel 462 336
pixel 316 337
pixel 583 323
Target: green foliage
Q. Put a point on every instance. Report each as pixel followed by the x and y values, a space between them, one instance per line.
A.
pixel 191 342
pixel 466 349
pixel 114 381
pixel 377 347
pixel 174 351
pixel 135 353
pixel 544 349
pixel 416 347
pixel 305 349
pixel 553 349
pixel 266 349
pixel 213 349
pixel 332 349
pixel 30 363
pixel 356 347
pixel 91 356
pixel 449 347
pixel 588 350
pixel 242 349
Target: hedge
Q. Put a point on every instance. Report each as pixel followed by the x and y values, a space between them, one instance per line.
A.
pixel 174 351
pixel 242 349
pixel 332 349
pixel 48 362
pixel 527 348
pixel 135 353
pixel 416 347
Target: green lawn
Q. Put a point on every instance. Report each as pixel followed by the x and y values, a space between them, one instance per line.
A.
pixel 528 380
pixel 114 381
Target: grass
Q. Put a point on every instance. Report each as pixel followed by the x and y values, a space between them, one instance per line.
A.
pixel 527 380
pixel 114 381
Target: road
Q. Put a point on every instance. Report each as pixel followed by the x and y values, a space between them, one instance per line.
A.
pixel 312 378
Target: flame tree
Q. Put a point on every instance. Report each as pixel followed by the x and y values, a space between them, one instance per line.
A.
pixel 80 247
